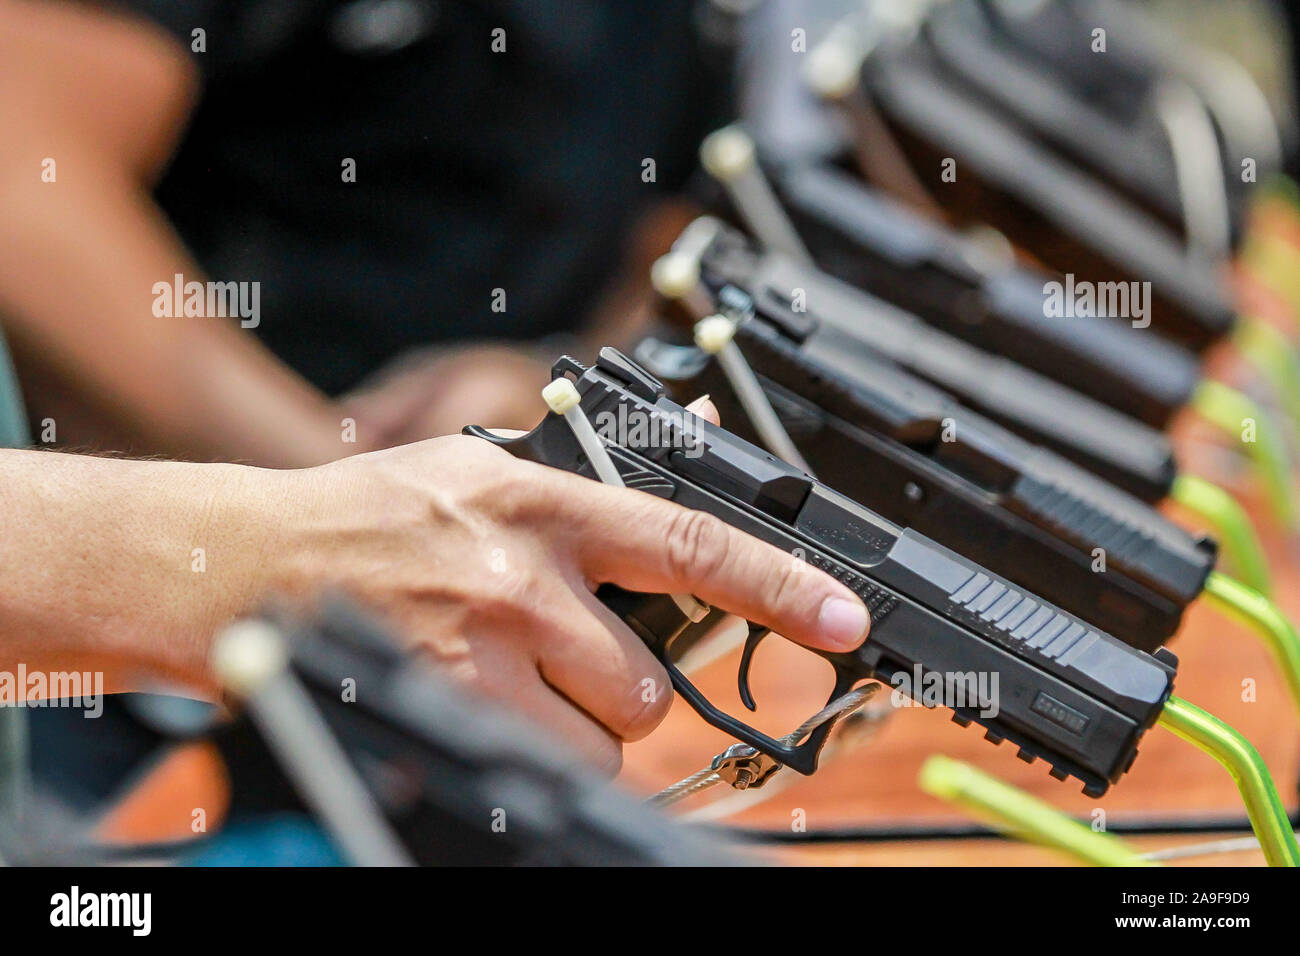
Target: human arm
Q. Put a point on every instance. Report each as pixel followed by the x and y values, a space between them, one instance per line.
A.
pixel 485 562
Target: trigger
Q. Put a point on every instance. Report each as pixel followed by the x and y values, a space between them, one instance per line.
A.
pixel 756 634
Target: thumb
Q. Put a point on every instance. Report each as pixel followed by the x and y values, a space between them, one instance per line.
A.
pixel 703 407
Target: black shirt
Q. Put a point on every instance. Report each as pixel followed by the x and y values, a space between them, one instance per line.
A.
pixel 475 170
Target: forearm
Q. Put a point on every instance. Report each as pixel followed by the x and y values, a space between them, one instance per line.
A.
pixel 78 262
pixel 129 567
pixel 105 99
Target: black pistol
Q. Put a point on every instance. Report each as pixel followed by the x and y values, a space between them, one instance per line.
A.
pixel 441 764
pixel 863 237
pixel 1123 85
pixel 1132 455
pixel 1066 691
pixel 1068 218
pixel 918 458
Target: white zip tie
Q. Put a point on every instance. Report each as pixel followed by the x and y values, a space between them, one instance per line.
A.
pixel 562 397
pixel 716 335
pixel 729 157
pixel 250 659
pixel 834 66
pixel 833 71
pixel 676 276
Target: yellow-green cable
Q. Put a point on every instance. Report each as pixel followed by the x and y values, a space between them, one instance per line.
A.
pixel 1012 810
pixel 1271 261
pixel 1263 617
pixel 1230 410
pixel 1237 539
pixel 1263 805
pixel 1270 258
pixel 1273 355
pixel 1281 187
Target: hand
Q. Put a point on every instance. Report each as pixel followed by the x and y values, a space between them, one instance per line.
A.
pixel 438 392
pixel 488 564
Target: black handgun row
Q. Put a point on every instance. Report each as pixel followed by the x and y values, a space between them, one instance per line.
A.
pixel 940 403
pixel 1065 690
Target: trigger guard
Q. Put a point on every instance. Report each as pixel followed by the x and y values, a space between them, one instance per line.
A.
pixel 801 758
pixel 844 682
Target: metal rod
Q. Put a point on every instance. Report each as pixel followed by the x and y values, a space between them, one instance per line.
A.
pixel 1011 809
pixel 249 657
pixel 730 157
pixel 1239 757
pixel 1273 356
pixel 1263 617
pixel 715 335
pixel 1231 525
pixel 1230 410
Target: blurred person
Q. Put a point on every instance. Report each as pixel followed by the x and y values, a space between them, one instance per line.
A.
pixel 383 175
